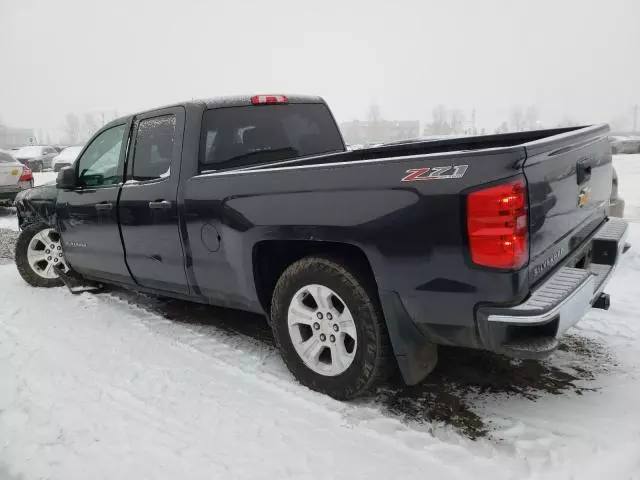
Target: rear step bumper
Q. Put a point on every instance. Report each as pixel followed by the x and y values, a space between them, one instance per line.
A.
pixel 533 328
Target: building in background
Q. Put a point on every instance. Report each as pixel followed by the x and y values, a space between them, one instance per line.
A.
pixel 15 137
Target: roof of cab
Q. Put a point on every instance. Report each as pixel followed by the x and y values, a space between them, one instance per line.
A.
pixel 217 102
pixel 245 100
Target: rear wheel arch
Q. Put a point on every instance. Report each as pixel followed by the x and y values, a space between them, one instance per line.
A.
pixel 271 258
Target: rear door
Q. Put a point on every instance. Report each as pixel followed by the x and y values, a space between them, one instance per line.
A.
pixel 87 215
pixel 570 180
pixel 148 206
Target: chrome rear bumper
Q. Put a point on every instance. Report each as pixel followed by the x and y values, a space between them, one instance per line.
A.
pixel 532 328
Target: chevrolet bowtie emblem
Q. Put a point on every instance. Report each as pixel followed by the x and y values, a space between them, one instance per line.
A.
pixel 583 196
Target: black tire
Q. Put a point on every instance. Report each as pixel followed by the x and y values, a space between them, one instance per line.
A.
pixel 25 270
pixel 372 362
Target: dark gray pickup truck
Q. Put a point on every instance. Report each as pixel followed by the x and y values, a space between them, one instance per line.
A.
pixel 363 261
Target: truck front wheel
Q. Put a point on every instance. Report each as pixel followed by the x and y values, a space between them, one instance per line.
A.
pixel 38 250
pixel 329 328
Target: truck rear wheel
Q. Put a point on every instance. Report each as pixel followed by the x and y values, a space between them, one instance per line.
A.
pixel 329 328
pixel 38 249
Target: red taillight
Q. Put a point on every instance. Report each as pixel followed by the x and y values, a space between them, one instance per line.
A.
pixel 497 225
pixel 27 174
pixel 269 100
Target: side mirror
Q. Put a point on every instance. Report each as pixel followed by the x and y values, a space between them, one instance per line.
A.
pixel 66 178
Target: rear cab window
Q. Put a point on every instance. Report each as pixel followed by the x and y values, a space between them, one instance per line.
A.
pixel 236 137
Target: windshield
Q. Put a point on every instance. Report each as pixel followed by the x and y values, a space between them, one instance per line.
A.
pixel 29 152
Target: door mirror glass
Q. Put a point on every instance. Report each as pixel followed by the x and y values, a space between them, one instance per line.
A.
pixel 66 178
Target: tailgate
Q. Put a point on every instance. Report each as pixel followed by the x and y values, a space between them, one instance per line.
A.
pixel 569 180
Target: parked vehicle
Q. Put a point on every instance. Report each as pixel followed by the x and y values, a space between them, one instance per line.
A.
pixel 362 260
pixel 624 144
pixel 14 178
pixel 65 158
pixel 36 157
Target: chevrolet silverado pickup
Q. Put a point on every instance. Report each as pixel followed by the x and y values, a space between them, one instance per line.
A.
pixel 363 261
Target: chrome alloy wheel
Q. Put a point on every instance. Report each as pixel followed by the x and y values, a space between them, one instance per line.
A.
pixel 44 252
pixel 322 330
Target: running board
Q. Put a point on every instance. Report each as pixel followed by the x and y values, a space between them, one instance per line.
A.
pixel 75 282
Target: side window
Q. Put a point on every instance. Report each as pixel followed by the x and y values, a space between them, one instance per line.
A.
pixel 153 148
pixel 98 166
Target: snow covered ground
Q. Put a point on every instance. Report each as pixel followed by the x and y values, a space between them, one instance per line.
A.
pixel 116 386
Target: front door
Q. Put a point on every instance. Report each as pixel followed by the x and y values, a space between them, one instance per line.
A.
pixel 148 205
pixel 87 215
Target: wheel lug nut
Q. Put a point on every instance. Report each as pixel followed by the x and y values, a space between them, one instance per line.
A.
pixel 55 259
pixel 323 337
pixel 52 245
pixel 332 338
pixel 319 315
pixel 47 251
pixel 59 247
pixel 49 258
pixel 329 316
pixel 335 327
pixel 316 326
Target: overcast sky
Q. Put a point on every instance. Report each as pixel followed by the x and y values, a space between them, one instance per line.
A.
pixel 572 58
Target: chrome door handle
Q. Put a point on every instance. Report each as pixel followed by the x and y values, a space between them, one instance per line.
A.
pixel 104 206
pixel 160 204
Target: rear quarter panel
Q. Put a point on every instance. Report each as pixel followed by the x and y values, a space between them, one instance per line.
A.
pixel 413 232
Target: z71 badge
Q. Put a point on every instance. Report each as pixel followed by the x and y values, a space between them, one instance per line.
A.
pixel 435 173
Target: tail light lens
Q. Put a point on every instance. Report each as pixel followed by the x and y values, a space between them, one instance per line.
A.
pixel 498 226
pixel 27 174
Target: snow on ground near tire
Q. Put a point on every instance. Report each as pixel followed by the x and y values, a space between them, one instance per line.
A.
pixel 95 387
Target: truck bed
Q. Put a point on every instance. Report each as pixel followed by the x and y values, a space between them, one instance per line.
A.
pixel 427 147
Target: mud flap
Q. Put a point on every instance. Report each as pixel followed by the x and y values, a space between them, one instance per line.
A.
pixel 416 355
pixel 75 282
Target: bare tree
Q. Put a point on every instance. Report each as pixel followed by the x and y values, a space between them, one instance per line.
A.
pixel 374 113
pixel 440 124
pixel 457 122
pixel 503 128
pixel 90 126
pixel 516 118
pixel 72 128
pixel 531 118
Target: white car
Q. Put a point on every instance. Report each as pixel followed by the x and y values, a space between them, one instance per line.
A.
pixel 65 158
pixel 14 177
